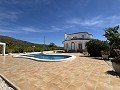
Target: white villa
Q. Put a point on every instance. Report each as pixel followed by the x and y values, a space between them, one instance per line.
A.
pixel 76 41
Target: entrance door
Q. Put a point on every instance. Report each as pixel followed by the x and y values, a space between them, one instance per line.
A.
pixel 67 47
pixel 80 46
pixel 72 46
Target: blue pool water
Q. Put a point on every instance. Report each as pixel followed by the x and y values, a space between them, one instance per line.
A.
pixel 45 57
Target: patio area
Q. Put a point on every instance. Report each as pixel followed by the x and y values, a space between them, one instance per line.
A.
pixel 82 73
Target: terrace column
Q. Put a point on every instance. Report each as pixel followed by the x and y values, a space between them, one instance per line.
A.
pixel 4 46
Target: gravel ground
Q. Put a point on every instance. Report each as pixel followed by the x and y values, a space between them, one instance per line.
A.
pixel 4 86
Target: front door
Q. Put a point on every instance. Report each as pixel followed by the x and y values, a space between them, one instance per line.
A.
pixel 73 46
pixel 80 46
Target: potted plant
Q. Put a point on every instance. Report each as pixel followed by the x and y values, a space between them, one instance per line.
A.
pixel 85 52
pixel 116 61
pixel 105 54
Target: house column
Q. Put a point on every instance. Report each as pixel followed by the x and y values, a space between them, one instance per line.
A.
pixel 4 46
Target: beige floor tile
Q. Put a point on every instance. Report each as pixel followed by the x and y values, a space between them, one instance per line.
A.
pixel 63 85
pixel 115 82
pixel 71 87
pixel 116 88
pixel 82 73
pixel 103 86
pixel 87 87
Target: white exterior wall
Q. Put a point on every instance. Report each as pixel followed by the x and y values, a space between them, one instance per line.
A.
pixel 89 36
pixel 83 42
pixel 78 35
pixel 79 39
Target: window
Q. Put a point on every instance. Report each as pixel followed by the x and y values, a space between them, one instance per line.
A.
pixel 67 38
pixel 74 37
pixel 83 36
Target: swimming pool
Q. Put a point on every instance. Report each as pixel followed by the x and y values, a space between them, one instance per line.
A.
pixel 47 57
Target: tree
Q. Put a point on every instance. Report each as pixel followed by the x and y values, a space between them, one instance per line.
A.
pixel 52 44
pixel 113 37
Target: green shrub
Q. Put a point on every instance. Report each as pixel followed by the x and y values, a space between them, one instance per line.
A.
pixel 94 47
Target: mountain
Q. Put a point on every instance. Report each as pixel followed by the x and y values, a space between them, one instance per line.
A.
pixel 18 46
pixel 6 39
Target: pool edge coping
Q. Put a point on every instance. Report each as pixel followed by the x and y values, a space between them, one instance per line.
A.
pixel 57 60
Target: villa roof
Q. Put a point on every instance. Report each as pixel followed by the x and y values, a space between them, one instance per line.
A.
pixel 80 32
pixel 79 39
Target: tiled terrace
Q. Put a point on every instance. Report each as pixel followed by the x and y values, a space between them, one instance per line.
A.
pixel 82 73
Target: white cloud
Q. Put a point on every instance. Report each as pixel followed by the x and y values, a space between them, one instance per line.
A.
pixel 18 29
pixel 89 22
pixel 113 20
pixel 9 15
pixel 54 28
pixel 28 29
pixel 60 28
pixel 95 21
pixel 9 31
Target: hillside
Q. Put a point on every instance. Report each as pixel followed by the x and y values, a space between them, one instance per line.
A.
pixel 7 39
pixel 19 46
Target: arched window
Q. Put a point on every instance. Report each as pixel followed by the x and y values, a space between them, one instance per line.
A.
pixel 83 36
pixel 74 37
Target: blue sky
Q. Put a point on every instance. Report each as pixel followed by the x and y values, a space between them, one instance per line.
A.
pixel 30 20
